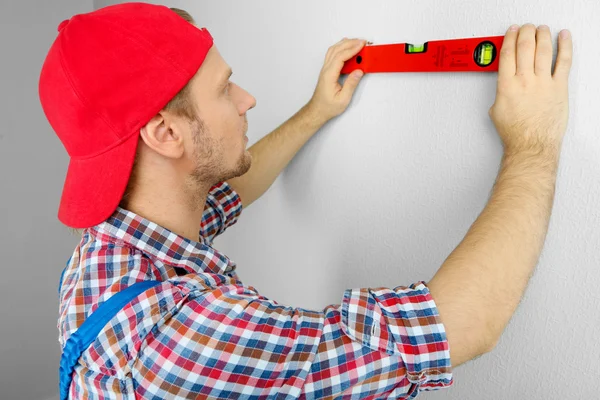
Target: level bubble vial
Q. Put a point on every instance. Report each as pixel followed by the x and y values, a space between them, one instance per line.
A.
pixel 484 54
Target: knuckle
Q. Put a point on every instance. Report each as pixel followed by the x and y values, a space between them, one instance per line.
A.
pixel 544 51
pixel 506 51
pixel 544 46
pixel 525 44
pixel 563 56
pixel 524 83
pixel 503 86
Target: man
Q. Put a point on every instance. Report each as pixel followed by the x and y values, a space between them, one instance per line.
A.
pixel 142 101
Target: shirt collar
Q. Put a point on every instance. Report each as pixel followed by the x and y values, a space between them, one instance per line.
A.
pixel 160 243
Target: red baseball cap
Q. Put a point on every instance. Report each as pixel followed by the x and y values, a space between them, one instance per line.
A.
pixel 105 76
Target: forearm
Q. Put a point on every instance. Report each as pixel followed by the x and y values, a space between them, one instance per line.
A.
pixel 272 153
pixel 484 278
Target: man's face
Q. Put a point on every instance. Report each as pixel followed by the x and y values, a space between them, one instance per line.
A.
pixel 218 134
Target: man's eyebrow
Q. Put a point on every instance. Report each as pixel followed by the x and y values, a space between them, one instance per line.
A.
pixel 225 78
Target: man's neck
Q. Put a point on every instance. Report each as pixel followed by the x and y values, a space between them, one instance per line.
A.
pixel 180 213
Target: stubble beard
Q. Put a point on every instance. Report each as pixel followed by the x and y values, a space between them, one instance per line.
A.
pixel 210 161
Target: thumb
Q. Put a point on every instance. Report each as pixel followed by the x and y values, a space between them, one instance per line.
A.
pixel 351 83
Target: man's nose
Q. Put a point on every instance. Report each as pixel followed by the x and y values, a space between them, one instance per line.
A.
pixel 252 101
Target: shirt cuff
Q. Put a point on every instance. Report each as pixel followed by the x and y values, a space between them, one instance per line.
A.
pixel 402 321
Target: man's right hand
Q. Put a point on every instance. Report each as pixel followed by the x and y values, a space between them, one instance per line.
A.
pixel 531 108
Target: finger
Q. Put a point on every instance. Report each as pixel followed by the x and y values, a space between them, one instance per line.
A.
pixel 526 49
pixel 350 85
pixel 508 62
pixel 543 51
pixel 344 54
pixel 333 49
pixel 345 46
pixel 564 57
pixel 347 52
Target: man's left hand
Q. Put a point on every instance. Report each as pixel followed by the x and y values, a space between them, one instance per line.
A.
pixel 330 99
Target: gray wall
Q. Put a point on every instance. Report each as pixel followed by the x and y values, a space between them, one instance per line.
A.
pixel 379 197
pixel 34 245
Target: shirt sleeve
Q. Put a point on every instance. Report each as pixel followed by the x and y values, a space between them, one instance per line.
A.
pixel 233 342
pixel 222 209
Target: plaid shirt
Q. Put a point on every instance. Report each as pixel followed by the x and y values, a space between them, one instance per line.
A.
pixel 203 333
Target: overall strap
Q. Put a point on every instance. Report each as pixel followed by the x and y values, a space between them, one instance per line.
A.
pixel 80 340
pixel 62 275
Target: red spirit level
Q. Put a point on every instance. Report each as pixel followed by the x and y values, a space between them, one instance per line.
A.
pixel 456 55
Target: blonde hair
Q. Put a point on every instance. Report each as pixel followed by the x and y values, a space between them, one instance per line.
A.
pixel 181 105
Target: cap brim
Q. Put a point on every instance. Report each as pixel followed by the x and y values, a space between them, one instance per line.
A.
pixel 94 187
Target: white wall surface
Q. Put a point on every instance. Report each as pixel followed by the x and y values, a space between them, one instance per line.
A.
pixel 382 194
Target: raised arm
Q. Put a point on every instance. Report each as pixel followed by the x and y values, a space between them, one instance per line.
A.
pixel 479 286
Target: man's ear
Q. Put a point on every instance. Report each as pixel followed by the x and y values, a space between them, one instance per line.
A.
pixel 163 136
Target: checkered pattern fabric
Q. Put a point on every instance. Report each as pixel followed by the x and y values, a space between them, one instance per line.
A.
pixel 205 334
